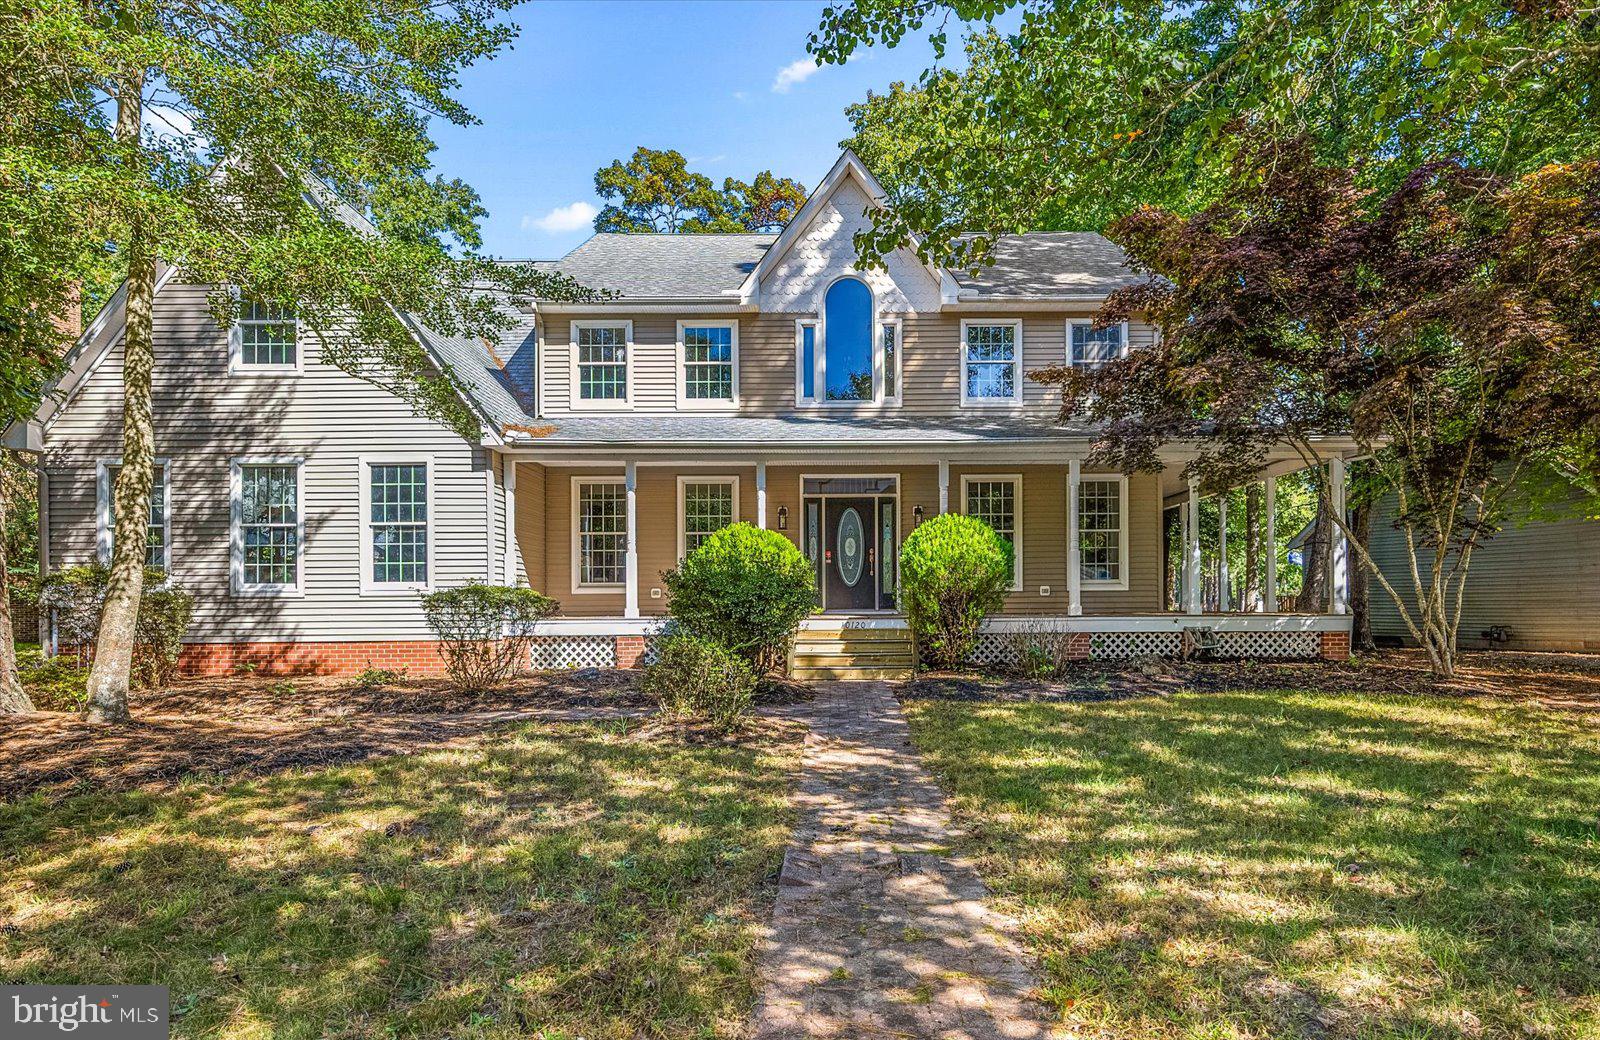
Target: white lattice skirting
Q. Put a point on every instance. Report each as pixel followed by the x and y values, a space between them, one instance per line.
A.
pixel 1123 646
pixel 1268 644
pixel 574 652
pixel 1004 650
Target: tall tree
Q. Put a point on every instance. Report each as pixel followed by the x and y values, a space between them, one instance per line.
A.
pixel 1088 109
pixel 281 150
pixel 1447 325
pixel 655 191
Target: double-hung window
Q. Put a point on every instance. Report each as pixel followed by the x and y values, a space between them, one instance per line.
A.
pixel 991 362
pixel 601 367
pixel 997 501
pixel 158 528
pixel 600 534
pixel 268 526
pixel 1103 532
pixel 265 338
pixel 1090 347
pixel 708 364
pixel 705 506
pixel 395 524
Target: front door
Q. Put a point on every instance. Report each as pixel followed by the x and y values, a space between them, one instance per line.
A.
pixel 850 556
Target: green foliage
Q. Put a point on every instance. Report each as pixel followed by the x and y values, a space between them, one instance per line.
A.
pixel 697 678
pixel 655 191
pixel 484 631
pixel 371 678
pixel 954 572
pixel 745 589
pixel 76 596
pixel 285 152
pixel 53 683
pixel 1086 110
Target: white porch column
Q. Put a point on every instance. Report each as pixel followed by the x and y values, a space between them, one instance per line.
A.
pixel 508 484
pixel 1222 552
pixel 1074 541
pixel 1269 552
pixel 630 564
pixel 944 486
pixel 1191 554
pixel 1340 570
pixel 761 495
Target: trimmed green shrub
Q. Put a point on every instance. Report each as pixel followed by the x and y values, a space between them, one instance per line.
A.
pixel 954 572
pixel 746 590
pixel 696 678
pixel 485 631
pixel 76 596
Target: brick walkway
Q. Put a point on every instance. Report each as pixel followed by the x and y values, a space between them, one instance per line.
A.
pixel 880 930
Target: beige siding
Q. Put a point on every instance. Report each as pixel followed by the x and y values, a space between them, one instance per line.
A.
pixel 1541 580
pixel 931 368
pixel 1044 530
pixel 204 417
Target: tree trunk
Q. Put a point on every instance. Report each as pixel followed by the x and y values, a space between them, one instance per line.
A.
pixel 110 674
pixel 13 698
pixel 1361 584
pixel 1252 548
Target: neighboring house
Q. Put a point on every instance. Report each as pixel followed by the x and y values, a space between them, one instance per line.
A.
pixel 756 377
pixel 1534 586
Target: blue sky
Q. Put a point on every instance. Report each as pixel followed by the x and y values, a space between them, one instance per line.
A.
pixel 586 82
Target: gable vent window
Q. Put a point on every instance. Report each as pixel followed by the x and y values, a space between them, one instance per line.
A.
pixel 265 338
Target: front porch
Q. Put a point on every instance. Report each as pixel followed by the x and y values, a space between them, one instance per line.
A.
pixel 1094 559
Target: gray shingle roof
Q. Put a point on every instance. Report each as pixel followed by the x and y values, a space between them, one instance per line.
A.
pixel 797 430
pixel 1051 263
pixel 645 266
pixel 495 378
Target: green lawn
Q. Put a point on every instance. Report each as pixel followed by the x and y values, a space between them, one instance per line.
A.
pixel 1290 864
pixel 553 882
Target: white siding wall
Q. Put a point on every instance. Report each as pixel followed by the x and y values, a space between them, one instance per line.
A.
pixel 204 417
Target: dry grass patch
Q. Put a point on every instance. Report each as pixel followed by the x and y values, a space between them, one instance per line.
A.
pixel 554 881
pixel 1291 864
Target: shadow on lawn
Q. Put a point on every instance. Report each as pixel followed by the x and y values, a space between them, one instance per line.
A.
pixel 558 878
pixel 1308 865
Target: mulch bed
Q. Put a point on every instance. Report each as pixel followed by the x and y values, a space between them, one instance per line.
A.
pixel 256 725
pixel 1564 681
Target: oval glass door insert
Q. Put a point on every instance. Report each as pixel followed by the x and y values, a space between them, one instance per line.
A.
pixel 852 547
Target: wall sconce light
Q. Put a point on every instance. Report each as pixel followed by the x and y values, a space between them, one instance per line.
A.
pixel 916 515
pixel 783 518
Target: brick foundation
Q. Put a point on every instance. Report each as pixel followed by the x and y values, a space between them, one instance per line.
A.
pixel 1078 646
pixel 1336 646
pixel 629 650
pixel 418 657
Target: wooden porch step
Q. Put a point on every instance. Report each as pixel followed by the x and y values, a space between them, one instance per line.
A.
pixel 858 635
pixel 850 674
pixel 892 659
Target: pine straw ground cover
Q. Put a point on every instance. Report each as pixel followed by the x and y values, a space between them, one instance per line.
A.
pixel 1288 863
pixel 553 880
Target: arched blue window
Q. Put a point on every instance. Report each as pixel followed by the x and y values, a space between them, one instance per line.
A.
pixel 847 340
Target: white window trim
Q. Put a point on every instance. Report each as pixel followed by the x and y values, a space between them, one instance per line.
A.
pixel 102 509
pixel 696 404
pixel 575 401
pixel 1015 400
pixel 800 324
pixel 236 365
pixel 1073 323
pixel 1121 584
pixel 579 588
pixel 236 528
pixel 695 478
pixel 899 359
pixel 364 464
pixel 1015 480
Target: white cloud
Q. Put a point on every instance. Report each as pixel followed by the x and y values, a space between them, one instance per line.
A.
pixel 739 95
pixel 165 121
pixel 794 73
pixel 572 217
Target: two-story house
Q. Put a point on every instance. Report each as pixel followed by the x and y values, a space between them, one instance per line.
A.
pixel 756 377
